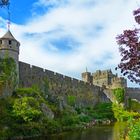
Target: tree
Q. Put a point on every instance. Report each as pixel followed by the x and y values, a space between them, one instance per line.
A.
pixel 129 48
pixel 27 109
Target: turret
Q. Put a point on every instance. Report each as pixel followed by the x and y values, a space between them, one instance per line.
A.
pixel 9 47
pixel 87 77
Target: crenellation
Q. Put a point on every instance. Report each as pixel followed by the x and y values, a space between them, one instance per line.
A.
pixel 59 76
pixel 104 78
pixel 49 73
pixel 92 84
pixel 67 79
pixel 37 69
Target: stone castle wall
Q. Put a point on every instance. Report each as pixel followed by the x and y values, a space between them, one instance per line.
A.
pixel 133 93
pixel 60 84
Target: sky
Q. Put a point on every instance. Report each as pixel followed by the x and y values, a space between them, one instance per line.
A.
pixel 66 36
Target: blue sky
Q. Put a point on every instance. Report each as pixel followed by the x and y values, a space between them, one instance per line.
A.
pixel 67 36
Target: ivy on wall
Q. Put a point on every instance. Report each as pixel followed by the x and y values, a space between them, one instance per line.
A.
pixel 8 73
pixel 119 94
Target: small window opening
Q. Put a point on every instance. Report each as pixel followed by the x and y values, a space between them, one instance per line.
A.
pixel 10 42
pixel 0 41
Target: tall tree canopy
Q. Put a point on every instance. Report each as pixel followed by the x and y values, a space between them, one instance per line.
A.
pixel 129 48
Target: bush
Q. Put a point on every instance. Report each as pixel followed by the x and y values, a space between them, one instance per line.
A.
pixel 119 94
pixel 84 118
pixel 123 115
pixel 26 108
pixel 134 130
pixel 71 100
pixel 103 111
pixel 70 120
pixel 26 92
pixel 134 105
pixel 52 126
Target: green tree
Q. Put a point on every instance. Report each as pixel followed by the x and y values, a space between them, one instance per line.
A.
pixel 119 94
pixel 26 109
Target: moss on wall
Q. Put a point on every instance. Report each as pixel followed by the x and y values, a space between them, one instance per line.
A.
pixel 8 76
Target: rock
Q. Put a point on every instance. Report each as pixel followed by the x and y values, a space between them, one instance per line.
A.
pixel 47 111
pixel 61 102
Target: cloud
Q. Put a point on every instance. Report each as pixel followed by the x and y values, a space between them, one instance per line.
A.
pixel 74 34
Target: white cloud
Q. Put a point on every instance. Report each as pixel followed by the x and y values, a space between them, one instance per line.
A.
pixel 92 24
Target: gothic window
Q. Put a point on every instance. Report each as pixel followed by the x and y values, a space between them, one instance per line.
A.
pixel 0 41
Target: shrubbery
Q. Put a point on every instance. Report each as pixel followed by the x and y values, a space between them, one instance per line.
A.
pixel 71 100
pixel 134 130
pixel 26 109
pixel 123 115
pixel 119 94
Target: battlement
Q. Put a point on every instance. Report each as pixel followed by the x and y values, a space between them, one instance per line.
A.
pixel 89 90
pixel 101 73
pixel 59 84
pixel 29 72
pixel 104 78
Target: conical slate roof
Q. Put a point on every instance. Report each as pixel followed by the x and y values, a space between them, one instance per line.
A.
pixel 8 35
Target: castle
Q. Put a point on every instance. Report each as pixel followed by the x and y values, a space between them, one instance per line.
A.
pixel 89 90
pixel 104 78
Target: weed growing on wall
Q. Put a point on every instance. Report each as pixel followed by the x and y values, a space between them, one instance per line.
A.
pixel 71 100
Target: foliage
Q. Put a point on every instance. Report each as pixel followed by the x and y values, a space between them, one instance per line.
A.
pixel 53 126
pixel 30 92
pixel 134 105
pixel 70 120
pixel 26 108
pixel 134 130
pixel 22 116
pixel 123 115
pixel 103 111
pixel 100 111
pixel 119 94
pixel 71 100
pixel 130 51
pixel 8 74
pixel 84 118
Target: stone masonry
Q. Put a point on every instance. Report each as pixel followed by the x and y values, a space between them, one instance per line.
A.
pixel 89 91
pixel 104 78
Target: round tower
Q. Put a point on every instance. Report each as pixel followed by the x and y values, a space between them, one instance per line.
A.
pixel 9 47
